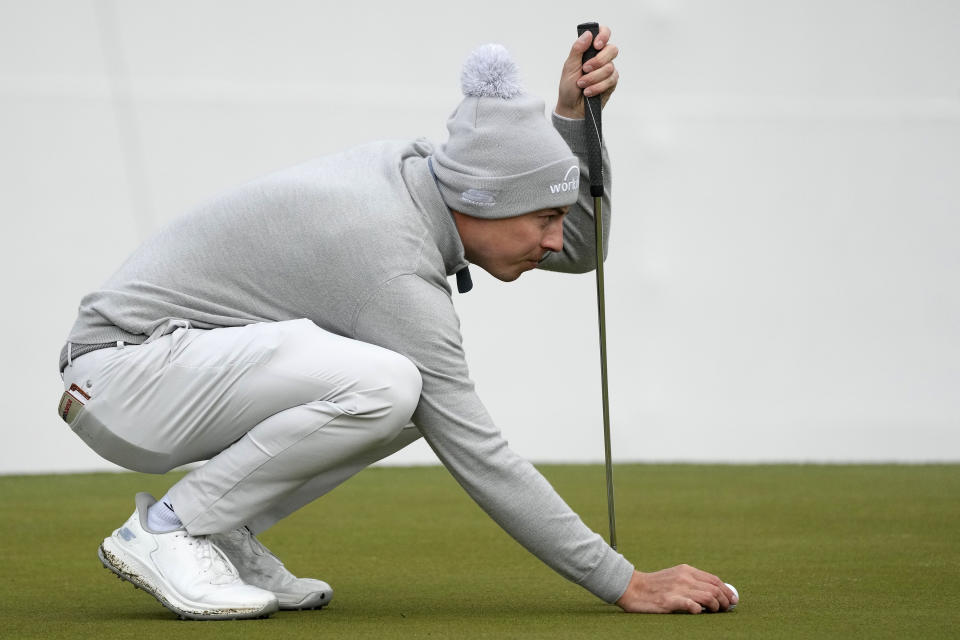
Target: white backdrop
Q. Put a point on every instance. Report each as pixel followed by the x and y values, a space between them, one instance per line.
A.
pixel 783 278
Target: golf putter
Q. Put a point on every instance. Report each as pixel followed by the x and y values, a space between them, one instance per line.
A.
pixel 594 138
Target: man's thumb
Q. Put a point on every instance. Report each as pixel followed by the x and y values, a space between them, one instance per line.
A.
pixel 580 45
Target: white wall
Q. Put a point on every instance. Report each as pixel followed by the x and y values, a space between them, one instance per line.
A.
pixel 783 280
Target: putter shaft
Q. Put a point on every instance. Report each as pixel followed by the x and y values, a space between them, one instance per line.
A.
pixel 602 321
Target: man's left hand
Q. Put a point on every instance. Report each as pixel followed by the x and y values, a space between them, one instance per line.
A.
pixel 597 77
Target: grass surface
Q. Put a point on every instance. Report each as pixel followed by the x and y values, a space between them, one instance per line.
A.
pixel 816 551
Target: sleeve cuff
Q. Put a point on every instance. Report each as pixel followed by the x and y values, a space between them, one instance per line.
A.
pixel 611 578
pixel 571 130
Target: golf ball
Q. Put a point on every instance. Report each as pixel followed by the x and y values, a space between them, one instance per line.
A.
pixel 735 592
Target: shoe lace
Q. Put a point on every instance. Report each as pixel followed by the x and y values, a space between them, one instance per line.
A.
pixel 255 545
pixel 212 560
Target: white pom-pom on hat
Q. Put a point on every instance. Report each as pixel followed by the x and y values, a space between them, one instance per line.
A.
pixel 490 72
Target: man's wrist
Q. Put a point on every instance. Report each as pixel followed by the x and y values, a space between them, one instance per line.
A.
pixel 568 114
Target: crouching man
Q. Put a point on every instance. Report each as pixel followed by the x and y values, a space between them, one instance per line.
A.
pixel 299 328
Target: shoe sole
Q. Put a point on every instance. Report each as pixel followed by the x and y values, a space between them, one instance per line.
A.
pixel 295 607
pixel 131 572
pixel 312 602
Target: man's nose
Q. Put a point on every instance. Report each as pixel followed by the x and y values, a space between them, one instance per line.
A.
pixel 553 240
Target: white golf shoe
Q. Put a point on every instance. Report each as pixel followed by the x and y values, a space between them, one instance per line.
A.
pixel 187 574
pixel 258 566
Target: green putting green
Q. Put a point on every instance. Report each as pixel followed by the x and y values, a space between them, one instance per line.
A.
pixel 816 551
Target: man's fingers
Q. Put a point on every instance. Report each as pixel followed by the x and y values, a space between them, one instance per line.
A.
pixel 603 37
pixel 676 602
pixel 601 81
pixel 605 54
pixel 691 606
pixel 714 581
pixel 707 600
pixel 720 590
pixel 594 77
pixel 598 81
pixel 604 57
pixel 708 589
pixel 705 576
pixel 722 598
pixel 731 597
pixel 600 75
pixel 606 87
pixel 712 596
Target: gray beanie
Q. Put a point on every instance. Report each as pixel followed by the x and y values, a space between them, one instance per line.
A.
pixel 503 158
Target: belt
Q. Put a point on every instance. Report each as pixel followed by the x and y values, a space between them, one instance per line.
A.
pixel 77 350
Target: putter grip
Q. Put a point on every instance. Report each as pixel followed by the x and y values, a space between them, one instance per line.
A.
pixel 593 129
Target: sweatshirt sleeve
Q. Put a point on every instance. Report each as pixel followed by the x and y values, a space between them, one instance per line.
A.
pixel 579 244
pixel 458 428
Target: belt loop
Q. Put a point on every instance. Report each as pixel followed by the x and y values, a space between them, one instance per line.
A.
pixel 69 354
pixel 120 344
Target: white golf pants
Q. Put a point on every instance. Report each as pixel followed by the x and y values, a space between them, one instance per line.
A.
pixel 282 411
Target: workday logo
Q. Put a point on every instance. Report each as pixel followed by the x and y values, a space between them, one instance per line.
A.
pixel 571 181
